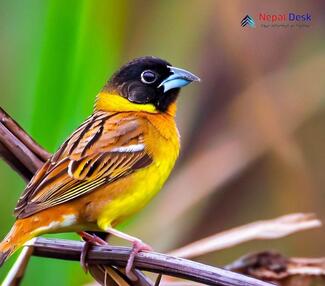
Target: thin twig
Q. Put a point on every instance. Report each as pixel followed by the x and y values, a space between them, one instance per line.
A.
pixel 265 229
pixel 158 280
pixel 23 154
pixel 17 271
pixel 18 149
pixel 14 163
pixel 22 136
pixel 109 275
pixel 150 261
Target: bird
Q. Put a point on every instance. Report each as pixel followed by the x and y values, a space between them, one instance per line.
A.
pixel 112 165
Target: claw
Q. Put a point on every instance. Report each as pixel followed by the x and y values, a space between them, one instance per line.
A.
pixel 89 241
pixel 138 246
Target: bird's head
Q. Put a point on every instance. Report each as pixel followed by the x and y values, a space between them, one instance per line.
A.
pixel 144 84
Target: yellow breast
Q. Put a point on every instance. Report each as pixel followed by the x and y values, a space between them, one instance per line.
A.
pixel 135 191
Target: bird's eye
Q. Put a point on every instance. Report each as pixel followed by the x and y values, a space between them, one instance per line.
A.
pixel 148 77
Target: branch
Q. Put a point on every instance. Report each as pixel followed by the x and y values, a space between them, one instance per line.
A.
pixel 18 149
pixel 271 265
pixel 15 128
pixel 149 261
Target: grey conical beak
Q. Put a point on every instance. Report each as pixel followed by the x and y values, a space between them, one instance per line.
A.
pixel 178 79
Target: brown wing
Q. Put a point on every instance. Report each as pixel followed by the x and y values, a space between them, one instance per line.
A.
pixel 103 149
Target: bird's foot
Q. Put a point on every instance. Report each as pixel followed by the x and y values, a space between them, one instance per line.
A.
pixel 92 238
pixel 89 241
pixel 137 247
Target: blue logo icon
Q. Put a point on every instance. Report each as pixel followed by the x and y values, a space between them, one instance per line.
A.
pixel 248 20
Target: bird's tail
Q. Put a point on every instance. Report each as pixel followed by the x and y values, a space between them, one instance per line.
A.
pixel 17 236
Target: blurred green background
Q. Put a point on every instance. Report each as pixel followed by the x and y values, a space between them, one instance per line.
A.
pixel 253 131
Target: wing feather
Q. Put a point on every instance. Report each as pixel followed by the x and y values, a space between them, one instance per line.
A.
pixel 105 148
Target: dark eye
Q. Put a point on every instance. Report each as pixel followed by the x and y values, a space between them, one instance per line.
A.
pixel 148 77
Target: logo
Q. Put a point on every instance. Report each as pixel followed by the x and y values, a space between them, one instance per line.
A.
pixel 265 17
pixel 278 20
pixel 248 20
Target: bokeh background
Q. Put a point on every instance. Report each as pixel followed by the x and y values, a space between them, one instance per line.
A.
pixel 253 131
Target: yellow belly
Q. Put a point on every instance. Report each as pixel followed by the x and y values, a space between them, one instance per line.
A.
pixel 143 186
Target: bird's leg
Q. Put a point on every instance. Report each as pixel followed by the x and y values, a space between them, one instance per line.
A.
pixel 138 245
pixel 89 240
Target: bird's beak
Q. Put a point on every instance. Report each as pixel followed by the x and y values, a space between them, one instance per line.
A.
pixel 178 79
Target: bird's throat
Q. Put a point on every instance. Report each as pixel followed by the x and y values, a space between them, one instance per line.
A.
pixel 110 102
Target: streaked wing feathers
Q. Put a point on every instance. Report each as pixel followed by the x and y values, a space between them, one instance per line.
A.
pixel 103 149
